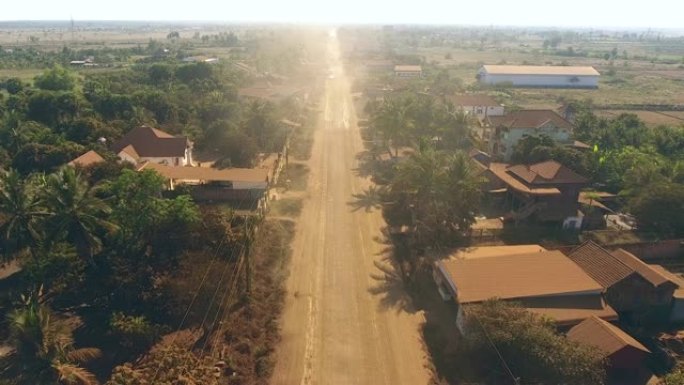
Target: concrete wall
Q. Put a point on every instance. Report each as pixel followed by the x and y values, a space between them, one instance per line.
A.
pixel 564 81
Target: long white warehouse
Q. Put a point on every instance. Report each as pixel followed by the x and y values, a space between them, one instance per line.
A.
pixel 539 76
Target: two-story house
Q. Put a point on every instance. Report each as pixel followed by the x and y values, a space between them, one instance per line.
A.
pixel 502 133
pixel 544 192
pixel 149 144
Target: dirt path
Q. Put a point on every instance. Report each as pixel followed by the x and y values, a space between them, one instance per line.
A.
pixel 341 325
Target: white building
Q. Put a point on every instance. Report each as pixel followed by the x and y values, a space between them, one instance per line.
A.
pixel 504 132
pixel 408 71
pixel 149 144
pixel 539 76
pixel 478 105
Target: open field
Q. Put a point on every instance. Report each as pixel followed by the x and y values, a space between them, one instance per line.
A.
pixel 651 118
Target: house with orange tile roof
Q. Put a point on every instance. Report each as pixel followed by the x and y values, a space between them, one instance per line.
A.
pixel 502 133
pixel 147 144
pixel 544 192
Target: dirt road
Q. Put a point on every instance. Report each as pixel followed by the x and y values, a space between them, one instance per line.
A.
pixel 341 325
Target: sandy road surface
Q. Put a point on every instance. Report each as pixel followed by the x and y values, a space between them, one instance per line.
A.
pixel 336 328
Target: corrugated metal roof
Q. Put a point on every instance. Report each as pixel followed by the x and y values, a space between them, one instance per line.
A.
pixel 517 276
pixel 540 70
pixel 207 173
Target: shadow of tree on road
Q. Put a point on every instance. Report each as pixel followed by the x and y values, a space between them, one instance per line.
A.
pixel 368 200
pixel 390 286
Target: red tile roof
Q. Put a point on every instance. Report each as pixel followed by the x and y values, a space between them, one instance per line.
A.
pixel 608 338
pixel 500 171
pixel 529 119
pixel 549 172
pixel 153 143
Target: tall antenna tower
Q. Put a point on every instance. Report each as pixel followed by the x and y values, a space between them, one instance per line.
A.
pixel 73 33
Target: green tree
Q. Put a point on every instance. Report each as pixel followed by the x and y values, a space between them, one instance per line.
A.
pixel 75 212
pixel 21 211
pixel 660 208
pixel 43 348
pixel 57 78
pixel 532 349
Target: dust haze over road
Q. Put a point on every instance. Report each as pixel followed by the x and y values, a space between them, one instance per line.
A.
pixel 337 327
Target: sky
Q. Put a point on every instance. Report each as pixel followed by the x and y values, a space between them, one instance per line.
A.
pixel 657 14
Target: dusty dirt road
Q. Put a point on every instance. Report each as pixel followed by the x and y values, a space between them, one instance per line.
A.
pixel 341 325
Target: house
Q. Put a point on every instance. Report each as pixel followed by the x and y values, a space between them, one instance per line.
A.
pixel 246 186
pixel 546 191
pixel 147 144
pixel 478 105
pixel 544 282
pixel 502 133
pixel 408 71
pixel 677 312
pixel 631 286
pixel 88 159
pixel 539 76
pixel 622 351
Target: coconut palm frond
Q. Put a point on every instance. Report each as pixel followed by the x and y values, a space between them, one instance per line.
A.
pixel 74 375
pixel 83 355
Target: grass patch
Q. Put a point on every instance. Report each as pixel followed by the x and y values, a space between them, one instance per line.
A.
pixel 297 175
pixel 287 207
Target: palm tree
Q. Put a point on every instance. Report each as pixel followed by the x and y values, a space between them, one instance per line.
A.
pixel 75 213
pixel 43 348
pixel 393 122
pixel 21 209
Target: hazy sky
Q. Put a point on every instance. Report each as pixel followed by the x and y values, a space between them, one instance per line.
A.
pixel 591 13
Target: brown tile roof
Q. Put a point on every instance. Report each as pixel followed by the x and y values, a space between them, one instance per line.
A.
pixel 608 338
pixel 207 174
pixel 500 170
pixel 609 268
pixel 471 100
pixel 89 158
pixel 407 68
pixel 150 142
pixel 672 277
pixel 517 276
pixel 525 119
pixel 540 70
pixel 549 172
pixel 569 310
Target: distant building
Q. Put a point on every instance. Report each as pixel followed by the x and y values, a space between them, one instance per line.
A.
pixel 478 105
pixel 544 282
pixel 201 59
pixel 145 143
pixel 408 71
pixel 539 76
pixel 502 133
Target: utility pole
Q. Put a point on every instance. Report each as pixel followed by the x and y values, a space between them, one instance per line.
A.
pixel 249 235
